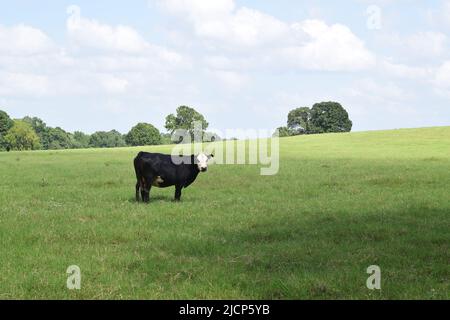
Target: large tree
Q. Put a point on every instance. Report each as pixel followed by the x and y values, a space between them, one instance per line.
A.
pixel 143 134
pixel 22 137
pixel 57 138
pixel 41 130
pixel 323 117
pixel 329 117
pixel 299 121
pixel 111 139
pixel 185 119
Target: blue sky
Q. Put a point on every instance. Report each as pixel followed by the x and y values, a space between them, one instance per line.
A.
pixel 99 65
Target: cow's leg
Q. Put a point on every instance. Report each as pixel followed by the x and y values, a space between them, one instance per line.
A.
pixel 147 199
pixel 142 189
pixel 145 193
pixel 145 189
pixel 138 188
pixel 178 192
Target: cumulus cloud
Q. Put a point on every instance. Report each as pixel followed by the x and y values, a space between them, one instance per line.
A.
pixel 233 80
pixel 441 79
pixel 419 46
pixel 405 71
pixel 24 50
pixel 195 9
pixel 377 92
pixel 86 34
pixel 117 59
pixel 330 48
pixel 89 33
pixel 24 40
pixel 240 39
pixel 101 58
pixel 220 21
pixel 23 84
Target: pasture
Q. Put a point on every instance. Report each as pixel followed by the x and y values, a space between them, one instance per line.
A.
pixel 340 203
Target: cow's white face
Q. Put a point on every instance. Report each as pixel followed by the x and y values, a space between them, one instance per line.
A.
pixel 202 162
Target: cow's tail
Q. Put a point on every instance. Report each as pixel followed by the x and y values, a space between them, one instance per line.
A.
pixel 137 169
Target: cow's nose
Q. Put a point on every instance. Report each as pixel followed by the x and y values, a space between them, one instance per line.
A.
pixel 204 169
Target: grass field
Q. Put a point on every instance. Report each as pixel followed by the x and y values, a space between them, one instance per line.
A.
pixel 340 203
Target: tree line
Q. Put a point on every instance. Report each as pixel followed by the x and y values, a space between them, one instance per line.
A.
pixel 32 133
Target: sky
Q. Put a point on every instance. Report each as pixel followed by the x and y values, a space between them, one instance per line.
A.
pixel 108 64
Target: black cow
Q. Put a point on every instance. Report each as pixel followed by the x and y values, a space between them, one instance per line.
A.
pixel 158 170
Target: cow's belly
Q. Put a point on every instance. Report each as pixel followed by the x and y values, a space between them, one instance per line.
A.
pixel 160 182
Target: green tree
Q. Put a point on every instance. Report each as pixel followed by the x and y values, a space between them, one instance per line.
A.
pixel 110 139
pixel 299 121
pixel 329 117
pixel 81 140
pixel 57 138
pixel 283 132
pixel 166 138
pixel 143 134
pixel 22 137
pixel 41 130
pixel 5 124
pixel 3 145
pixel 185 119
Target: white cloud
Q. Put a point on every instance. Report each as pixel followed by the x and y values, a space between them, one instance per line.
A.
pixel 427 43
pixel 442 79
pixel 199 9
pixel 221 22
pixel 440 17
pixel 443 75
pixel 405 71
pixel 23 84
pixel 436 79
pixel 310 44
pixel 247 28
pixel 417 46
pixel 24 40
pixel 377 92
pixel 370 100
pixel 330 48
pixel 101 59
pixel 233 80
pixel 87 33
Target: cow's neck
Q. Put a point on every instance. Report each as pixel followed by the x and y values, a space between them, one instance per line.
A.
pixel 193 175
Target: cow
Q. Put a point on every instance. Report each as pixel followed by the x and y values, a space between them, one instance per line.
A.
pixel 159 170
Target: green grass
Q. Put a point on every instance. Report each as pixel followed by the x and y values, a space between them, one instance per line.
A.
pixel 340 203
